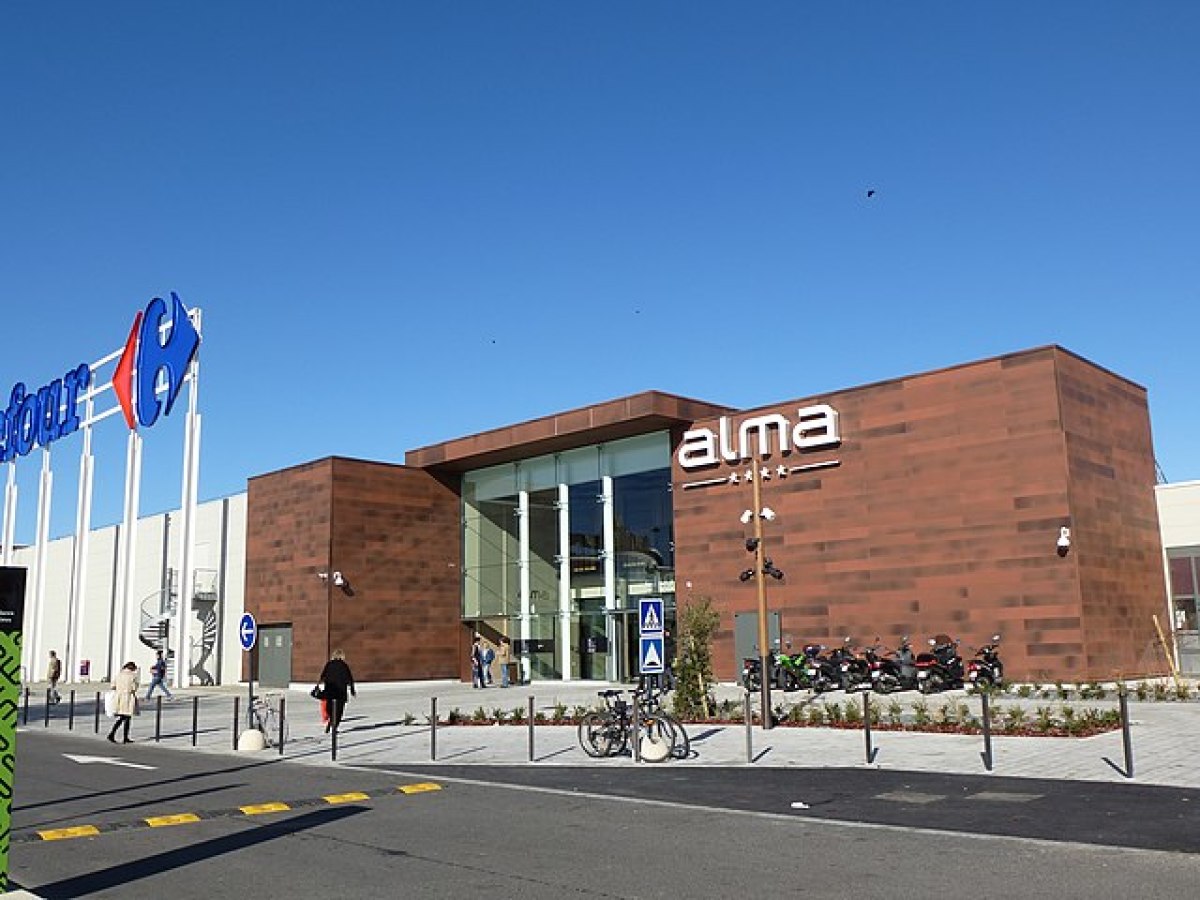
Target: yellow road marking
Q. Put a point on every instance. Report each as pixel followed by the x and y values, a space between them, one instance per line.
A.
pixel 259 809
pixel 346 798
pixel 177 819
pixel 59 834
pixel 420 788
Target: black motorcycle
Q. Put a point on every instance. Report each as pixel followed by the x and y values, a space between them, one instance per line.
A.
pixel 986 669
pixel 855 668
pixel 895 671
pixel 823 671
pixel 940 669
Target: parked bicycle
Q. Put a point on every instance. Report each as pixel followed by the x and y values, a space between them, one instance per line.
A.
pixel 266 718
pixel 609 731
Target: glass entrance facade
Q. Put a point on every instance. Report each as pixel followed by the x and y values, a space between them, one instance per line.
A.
pixel 557 551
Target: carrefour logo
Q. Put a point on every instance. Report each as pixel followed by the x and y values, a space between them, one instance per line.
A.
pixel 149 351
pixel 38 418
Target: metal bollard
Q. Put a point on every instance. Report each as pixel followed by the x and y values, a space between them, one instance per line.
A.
pixel 1126 738
pixel 333 732
pixel 637 731
pixel 987 729
pixel 433 728
pixel 158 718
pixel 282 721
pixel 47 707
pixel 25 717
pixel 71 711
pixel 867 727
pixel 531 717
pixel 99 706
pixel 195 717
pixel 236 720
pixel 749 728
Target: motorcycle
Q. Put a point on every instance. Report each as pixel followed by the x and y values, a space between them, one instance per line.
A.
pixel 792 673
pixel 752 673
pixel 823 672
pixel 896 671
pixel 855 668
pixel 986 669
pixel 941 668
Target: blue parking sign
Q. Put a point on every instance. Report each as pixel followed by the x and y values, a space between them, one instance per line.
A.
pixel 652 655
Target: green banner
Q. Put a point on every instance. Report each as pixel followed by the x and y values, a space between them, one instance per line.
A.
pixel 12 610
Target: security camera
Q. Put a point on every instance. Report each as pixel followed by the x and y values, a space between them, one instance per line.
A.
pixel 768 513
pixel 338 580
pixel 1064 540
pixel 746 517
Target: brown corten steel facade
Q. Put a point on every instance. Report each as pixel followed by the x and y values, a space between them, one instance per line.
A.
pixel 392 532
pixel 939 511
pixel 942 514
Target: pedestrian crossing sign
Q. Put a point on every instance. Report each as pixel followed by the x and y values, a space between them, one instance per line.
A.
pixel 651 618
pixel 652 654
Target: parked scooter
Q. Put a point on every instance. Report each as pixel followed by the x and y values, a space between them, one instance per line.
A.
pixel 895 671
pixel 823 671
pixel 855 668
pixel 986 669
pixel 792 674
pixel 941 668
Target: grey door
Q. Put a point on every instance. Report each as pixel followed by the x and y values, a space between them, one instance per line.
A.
pixel 745 636
pixel 275 655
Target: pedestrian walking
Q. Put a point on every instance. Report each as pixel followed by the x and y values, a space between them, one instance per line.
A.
pixel 504 657
pixel 125 685
pixel 477 662
pixel 489 656
pixel 53 674
pixel 338 684
pixel 158 676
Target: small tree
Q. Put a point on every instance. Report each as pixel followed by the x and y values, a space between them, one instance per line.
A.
pixel 697 622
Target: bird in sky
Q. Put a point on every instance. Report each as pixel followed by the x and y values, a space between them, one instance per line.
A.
pixel 870 193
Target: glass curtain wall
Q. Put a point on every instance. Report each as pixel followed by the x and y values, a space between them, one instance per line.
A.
pixel 1184 566
pixel 559 549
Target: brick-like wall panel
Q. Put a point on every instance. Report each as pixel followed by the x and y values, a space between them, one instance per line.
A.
pixel 942 516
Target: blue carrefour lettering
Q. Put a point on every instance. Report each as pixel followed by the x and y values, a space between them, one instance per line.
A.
pixel 38 418
pixel 172 356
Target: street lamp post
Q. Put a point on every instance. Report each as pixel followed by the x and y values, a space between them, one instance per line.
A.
pixel 760 585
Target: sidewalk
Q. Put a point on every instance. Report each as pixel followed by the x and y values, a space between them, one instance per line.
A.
pixel 1164 735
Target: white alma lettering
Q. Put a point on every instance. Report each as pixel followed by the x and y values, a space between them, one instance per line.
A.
pixel 816 427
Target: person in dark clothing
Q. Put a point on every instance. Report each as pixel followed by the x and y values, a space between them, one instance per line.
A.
pixel 339 687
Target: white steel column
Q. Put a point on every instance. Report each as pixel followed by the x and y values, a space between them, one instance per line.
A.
pixel 610 575
pixel 564 581
pixel 33 651
pixel 10 513
pixel 523 596
pixel 127 546
pixel 187 534
pixel 83 526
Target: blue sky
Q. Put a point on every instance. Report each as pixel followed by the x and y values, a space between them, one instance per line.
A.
pixel 409 222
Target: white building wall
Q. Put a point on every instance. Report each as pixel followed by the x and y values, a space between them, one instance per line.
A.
pixel 1179 513
pixel 220 565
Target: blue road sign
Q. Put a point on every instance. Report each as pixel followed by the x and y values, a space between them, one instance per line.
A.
pixel 652 654
pixel 247 631
pixel 650 615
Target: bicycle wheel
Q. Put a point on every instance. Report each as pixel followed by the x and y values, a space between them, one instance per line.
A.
pixel 596 734
pixel 656 738
pixel 269 725
pixel 681 746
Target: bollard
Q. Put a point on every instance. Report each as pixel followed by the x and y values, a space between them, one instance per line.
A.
pixel 985 696
pixel 71 711
pixel 99 706
pixel 637 732
pixel 158 718
pixel 47 723
pixel 195 717
pixel 333 744
pixel 235 721
pixel 282 720
pixel 433 728
pixel 867 727
pixel 749 728
pixel 25 718
pixel 1126 740
pixel 531 716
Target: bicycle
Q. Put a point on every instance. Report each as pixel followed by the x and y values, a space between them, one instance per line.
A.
pixel 265 718
pixel 607 732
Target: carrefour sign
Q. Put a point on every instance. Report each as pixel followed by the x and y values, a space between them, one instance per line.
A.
pixel 154 362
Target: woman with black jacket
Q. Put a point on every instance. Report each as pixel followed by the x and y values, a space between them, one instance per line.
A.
pixel 337 681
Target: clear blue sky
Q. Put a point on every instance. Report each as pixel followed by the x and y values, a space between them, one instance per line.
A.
pixel 407 222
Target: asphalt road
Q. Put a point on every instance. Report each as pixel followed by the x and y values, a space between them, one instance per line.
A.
pixel 603 831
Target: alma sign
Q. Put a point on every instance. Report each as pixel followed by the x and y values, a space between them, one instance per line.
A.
pixel 815 428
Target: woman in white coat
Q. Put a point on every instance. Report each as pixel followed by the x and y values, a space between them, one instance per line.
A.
pixel 126 687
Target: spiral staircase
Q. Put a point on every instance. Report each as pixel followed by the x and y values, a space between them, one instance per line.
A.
pixel 158 611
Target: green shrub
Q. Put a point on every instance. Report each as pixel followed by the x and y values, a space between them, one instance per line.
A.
pixel 921 712
pixel 498 715
pixel 559 714
pixel 834 714
pixel 1182 691
pixel 1014 718
pixel 1142 692
pixel 408 719
pixel 698 622
pixel 816 714
pixel 853 714
pixel 1025 690
pixel 480 715
pixel 1043 718
pixel 455 717
pixel 895 712
pixel 1160 690
pixel 517 716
